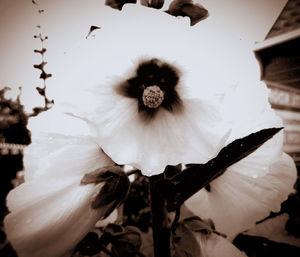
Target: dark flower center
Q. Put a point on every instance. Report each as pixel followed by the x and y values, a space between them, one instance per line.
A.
pixel 154 86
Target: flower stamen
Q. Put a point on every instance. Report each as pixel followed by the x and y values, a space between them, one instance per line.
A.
pixel 153 96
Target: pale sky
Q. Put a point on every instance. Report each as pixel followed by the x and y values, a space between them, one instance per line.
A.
pixel 66 23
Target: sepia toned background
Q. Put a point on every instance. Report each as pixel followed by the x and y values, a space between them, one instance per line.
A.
pixel 277 37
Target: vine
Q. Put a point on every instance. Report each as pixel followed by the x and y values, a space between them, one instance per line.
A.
pixel 44 75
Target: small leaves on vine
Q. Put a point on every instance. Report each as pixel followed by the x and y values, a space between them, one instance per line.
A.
pixel 44 76
pixel 41 66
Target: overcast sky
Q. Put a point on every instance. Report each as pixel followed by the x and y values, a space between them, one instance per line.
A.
pixel 66 22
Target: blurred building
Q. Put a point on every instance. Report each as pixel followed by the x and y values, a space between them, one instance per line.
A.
pixel 279 55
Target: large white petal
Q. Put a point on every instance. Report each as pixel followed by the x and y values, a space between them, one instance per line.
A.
pixel 51 212
pixel 49 218
pixel 236 200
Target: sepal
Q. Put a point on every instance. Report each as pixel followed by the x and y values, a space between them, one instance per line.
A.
pixel 114 190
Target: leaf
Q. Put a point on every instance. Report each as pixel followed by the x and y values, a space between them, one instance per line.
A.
pixel 196 176
pixel 38 109
pixel 40 66
pixel 130 237
pixel 125 241
pixel 49 101
pixel 114 229
pixel 45 75
pixel 171 170
pixel 92 28
pixel 42 51
pixel 100 175
pixel 114 190
pixel 118 4
pixel 41 91
pixel 184 242
pixel 89 245
pixel 186 8
pixel 197 224
pixel 157 4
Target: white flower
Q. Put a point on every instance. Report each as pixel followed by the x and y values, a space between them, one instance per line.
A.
pixel 236 201
pixel 51 211
pixel 253 187
pixel 214 245
pixel 224 101
pixel 185 130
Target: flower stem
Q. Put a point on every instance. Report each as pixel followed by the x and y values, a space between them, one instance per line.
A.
pixel 160 225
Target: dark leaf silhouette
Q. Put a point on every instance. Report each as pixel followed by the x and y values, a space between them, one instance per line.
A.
pixel 196 176
pixel 92 28
pixel 42 51
pixel 89 245
pixel 49 102
pixel 34 2
pixel 40 66
pixel 118 4
pixel 38 110
pixel 186 8
pixel 115 189
pixel 125 241
pixel 45 75
pixel 157 4
pixel 41 38
pixel 41 11
pixel 171 170
pixel 41 91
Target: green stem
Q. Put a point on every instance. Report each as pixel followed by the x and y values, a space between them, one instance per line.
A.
pixel 160 224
